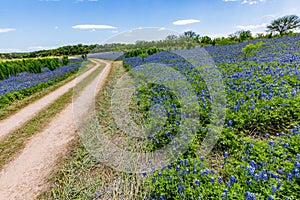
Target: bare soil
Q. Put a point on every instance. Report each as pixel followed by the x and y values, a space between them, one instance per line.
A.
pixel 19 118
pixel 25 177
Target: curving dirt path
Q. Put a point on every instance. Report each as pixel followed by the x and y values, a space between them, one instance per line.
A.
pixel 25 177
pixel 18 119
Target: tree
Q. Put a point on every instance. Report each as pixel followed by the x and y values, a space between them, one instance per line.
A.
pixel 259 36
pixel 190 34
pixel 241 36
pixel 206 40
pixel 244 35
pixel 171 37
pixel 197 38
pixel 284 24
pixel 65 60
pixel 84 57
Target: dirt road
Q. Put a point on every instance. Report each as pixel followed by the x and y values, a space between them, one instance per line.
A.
pixel 25 176
pixel 18 119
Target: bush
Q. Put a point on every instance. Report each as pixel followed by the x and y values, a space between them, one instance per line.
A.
pixel 251 48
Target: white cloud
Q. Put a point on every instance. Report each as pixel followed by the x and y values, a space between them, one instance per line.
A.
pixel 252 2
pixel 185 22
pixel 93 27
pixel 252 27
pixel 249 2
pixel 6 30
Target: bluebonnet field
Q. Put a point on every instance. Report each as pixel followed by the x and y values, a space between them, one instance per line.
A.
pixel 257 155
pixel 107 55
pixel 24 84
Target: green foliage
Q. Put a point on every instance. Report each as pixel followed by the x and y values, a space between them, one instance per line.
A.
pixel 127 67
pixel 251 48
pixel 205 40
pixel 65 60
pixel 190 178
pixel 143 55
pixel 84 56
pixel 11 68
pixel 142 52
pixel 244 35
pixel 65 50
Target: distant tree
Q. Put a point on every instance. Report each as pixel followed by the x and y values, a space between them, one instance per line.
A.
pixel 84 57
pixel 259 35
pixel 234 37
pixel 206 40
pixel 65 60
pixel 190 34
pixel 197 38
pixel 284 24
pixel 244 35
pixel 171 37
pixel 214 42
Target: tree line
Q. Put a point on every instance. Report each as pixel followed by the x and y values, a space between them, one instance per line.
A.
pixel 277 28
pixel 70 50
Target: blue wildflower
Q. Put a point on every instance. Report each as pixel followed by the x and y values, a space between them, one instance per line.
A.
pixel 289 176
pixel 232 179
pixel 225 154
pixel 220 179
pixel 271 143
pixel 270 198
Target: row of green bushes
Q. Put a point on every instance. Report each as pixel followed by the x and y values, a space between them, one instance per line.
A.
pixel 142 52
pixel 11 68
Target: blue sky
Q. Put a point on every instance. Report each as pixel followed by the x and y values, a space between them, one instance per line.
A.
pixel 28 25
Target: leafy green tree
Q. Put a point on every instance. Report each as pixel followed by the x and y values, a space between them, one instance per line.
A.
pixel 190 34
pixel 65 60
pixel 205 40
pixel 244 35
pixel 84 57
pixel 284 24
pixel 143 56
pixel 171 37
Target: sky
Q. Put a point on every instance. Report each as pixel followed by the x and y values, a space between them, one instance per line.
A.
pixel 30 25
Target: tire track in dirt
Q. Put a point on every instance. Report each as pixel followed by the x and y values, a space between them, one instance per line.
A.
pixel 18 119
pixel 25 176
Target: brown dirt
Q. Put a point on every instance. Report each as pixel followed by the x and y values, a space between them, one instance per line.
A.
pixel 18 119
pixel 25 177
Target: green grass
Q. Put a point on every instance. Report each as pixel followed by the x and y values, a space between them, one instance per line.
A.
pixel 17 105
pixel 15 142
pixel 80 176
